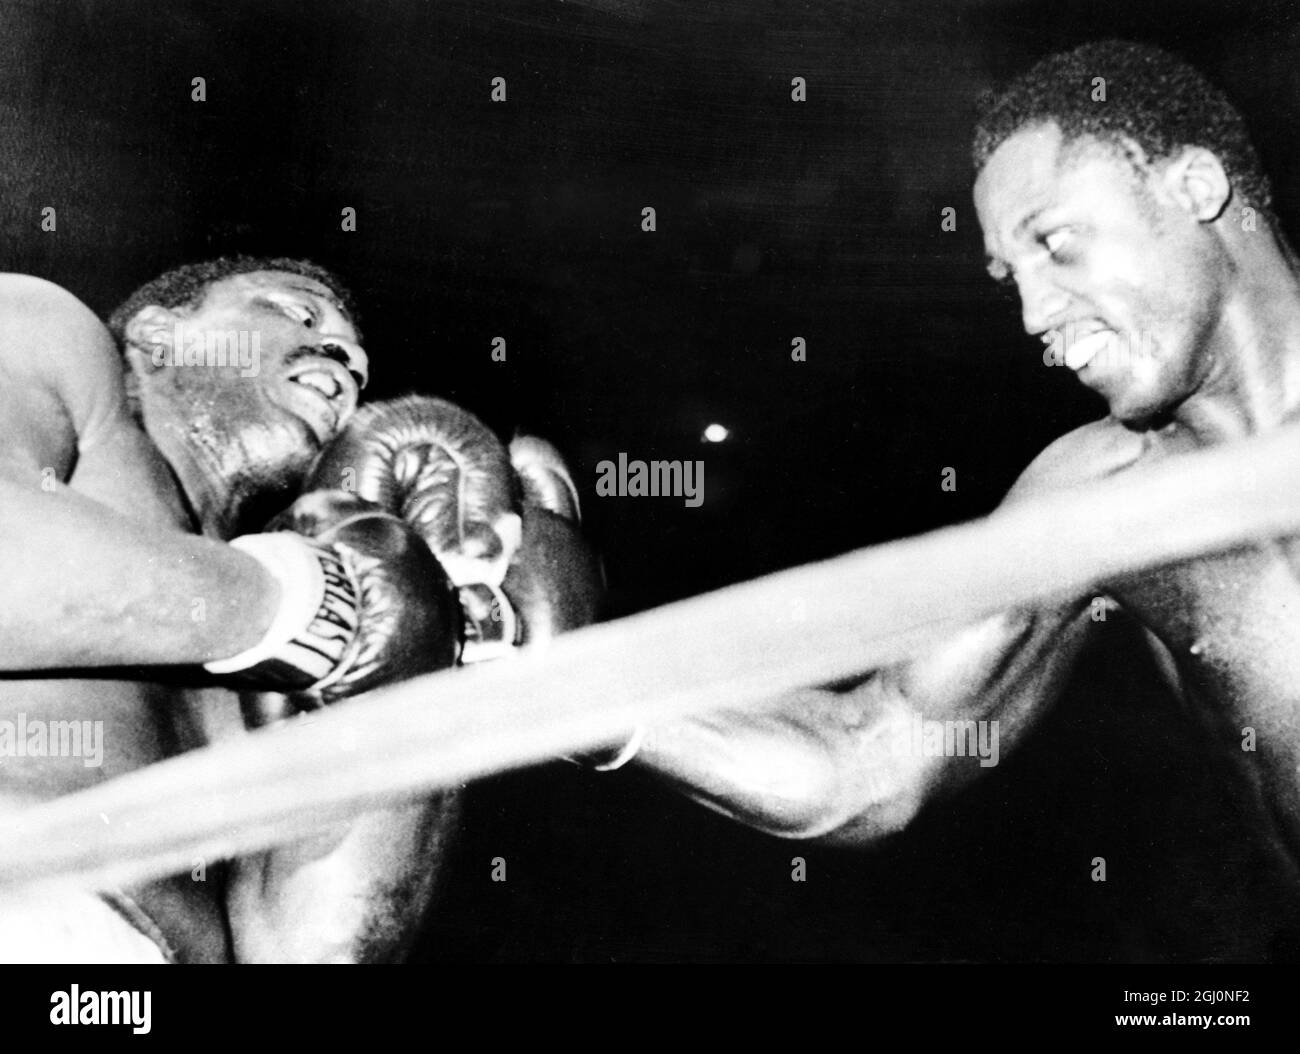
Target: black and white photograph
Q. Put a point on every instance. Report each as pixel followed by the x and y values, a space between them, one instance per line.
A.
pixel 650 482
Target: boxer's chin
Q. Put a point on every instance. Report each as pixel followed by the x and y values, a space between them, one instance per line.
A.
pixel 279 453
pixel 1137 391
pixel 1139 407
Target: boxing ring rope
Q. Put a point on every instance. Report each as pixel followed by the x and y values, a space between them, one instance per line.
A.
pixel 735 647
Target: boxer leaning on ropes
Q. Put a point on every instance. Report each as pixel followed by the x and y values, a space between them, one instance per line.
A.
pixel 1139 235
pixel 135 483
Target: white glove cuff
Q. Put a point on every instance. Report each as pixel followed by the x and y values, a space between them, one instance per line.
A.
pixel 297 566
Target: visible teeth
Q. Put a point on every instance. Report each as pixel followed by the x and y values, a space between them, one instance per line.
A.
pixel 1083 351
pixel 324 383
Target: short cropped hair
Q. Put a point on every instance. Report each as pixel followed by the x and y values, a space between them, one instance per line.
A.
pixel 1152 98
pixel 187 285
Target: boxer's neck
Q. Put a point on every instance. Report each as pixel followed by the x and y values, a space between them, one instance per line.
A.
pixel 1254 385
pixel 232 487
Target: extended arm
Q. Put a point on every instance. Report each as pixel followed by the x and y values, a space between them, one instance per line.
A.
pixel 851 766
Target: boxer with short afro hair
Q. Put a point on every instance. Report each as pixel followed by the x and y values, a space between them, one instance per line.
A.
pixel 187 285
pixel 1152 99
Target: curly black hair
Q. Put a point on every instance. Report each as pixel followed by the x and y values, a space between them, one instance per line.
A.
pixel 1152 98
pixel 187 285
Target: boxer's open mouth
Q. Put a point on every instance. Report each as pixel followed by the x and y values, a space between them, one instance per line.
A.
pixel 322 393
pixel 1081 346
pixel 1083 350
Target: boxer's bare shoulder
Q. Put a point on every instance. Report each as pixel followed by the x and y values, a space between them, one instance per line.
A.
pixel 63 405
pixel 61 372
pixel 1089 453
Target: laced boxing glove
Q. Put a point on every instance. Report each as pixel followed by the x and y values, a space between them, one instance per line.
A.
pixel 503 524
pixel 521 571
pixel 363 603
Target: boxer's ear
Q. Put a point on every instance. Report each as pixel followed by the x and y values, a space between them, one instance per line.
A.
pixel 1197 182
pixel 150 335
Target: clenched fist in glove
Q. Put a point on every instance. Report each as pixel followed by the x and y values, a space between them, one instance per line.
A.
pixel 502 523
pixel 363 603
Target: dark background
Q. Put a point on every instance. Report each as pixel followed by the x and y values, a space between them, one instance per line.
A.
pixel 775 220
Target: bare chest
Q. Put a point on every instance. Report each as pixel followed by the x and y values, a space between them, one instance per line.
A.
pixel 1231 622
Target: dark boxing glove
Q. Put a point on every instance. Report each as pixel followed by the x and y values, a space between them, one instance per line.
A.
pixel 554 581
pixel 522 571
pixel 443 472
pixel 363 603
pixel 503 524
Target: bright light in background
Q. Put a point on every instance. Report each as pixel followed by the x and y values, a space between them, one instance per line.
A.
pixel 715 433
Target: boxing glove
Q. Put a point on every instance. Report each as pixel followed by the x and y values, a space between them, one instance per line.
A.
pixel 555 581
pixel 505 525
pixel 363 603
pixel 544 477
pixel 522 570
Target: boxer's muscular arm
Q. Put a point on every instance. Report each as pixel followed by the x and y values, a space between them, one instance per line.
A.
pixel 847 767
pixel 354 894
pixel 86 585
